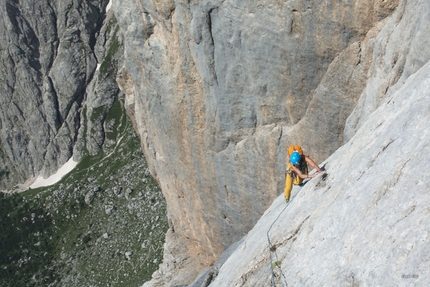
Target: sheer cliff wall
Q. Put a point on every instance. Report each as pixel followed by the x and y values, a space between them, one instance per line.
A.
pixel 219 89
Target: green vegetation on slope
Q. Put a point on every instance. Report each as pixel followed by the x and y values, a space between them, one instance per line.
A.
pixel 101 225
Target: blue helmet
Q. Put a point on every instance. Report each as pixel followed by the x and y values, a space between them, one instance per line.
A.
pixel 295 157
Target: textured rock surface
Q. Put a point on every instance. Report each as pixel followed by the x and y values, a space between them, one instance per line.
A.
pixel 48 58
pixel 335 97
pixel 103 89
pixel 366 223
pixel 401 49
pixel 217 88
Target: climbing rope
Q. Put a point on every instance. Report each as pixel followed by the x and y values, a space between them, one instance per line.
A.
pixel 269 243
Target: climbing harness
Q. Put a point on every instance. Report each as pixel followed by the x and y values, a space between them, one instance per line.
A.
pixel 269 244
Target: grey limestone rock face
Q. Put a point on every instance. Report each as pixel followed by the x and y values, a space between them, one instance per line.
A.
pixel 103 89
pixel 48 59
pixel 217 89
pixel 401 49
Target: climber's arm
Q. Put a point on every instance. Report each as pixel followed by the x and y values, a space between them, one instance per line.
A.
pixel 313 164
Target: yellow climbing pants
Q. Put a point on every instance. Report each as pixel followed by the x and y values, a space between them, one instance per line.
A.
pixel 289 181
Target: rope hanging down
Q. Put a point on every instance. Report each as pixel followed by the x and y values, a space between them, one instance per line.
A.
pixel 269 244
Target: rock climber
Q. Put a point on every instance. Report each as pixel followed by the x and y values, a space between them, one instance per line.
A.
pixel 297 169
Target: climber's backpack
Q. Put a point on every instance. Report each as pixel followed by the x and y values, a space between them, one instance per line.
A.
pixel 295 148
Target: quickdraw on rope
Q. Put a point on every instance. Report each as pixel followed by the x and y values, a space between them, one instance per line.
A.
pixel 269 243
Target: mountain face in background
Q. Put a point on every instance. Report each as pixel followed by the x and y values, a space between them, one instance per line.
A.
pixel 216 91
pixel 49 55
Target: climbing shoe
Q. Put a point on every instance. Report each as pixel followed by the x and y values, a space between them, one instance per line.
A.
pixel 287 201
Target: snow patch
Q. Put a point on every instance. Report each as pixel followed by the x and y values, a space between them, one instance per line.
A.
pixel 109 5
pixel 56 177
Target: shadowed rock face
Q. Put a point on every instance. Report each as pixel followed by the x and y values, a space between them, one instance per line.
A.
pixel 47 60
pixel 219 88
